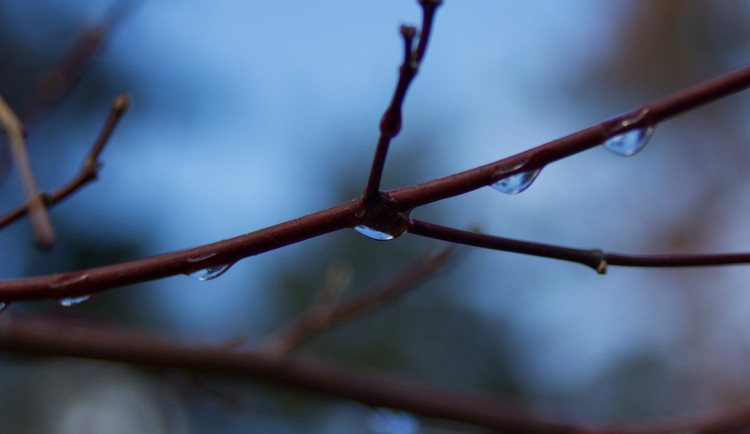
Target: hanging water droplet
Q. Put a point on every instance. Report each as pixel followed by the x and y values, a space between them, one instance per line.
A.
pixel 3 306
pixel 517 182
pixel 627 138
pixel 72 301
pixel 630 142
pixel 210 273
pixel 386 421
pixel 374 234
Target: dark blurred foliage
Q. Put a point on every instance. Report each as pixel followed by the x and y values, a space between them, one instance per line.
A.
pixel 427 335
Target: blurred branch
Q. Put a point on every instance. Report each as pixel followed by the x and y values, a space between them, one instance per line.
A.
pixel 89 168
pixel 594 258
pixel 50 337
pixel 40 220
pixel 323 316
pixel 390 125
pixel 54 83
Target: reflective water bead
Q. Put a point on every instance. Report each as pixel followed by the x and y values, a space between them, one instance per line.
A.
pixel 629 142
pixel 209 273
pixel 374 234
pixel 72 301
pixel 516 183
pixel 3 305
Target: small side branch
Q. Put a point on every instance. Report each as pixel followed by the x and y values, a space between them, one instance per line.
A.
pixel 390 124
pixel 593 258
pixel 89 168
pixel 40 220
pixel 321 317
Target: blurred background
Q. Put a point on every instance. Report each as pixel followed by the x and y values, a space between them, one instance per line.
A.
pixel 247 114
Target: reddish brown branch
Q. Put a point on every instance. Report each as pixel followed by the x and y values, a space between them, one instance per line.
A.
pixel 40 220
pixel 322 317
pixel 408 198
pixel 351 213
pixel 89 168
pixel 390 124
pixel 594 258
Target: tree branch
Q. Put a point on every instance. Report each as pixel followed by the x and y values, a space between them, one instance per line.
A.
pixel 40 220
pixel 594 258
pixel 390 125
pixel 89 168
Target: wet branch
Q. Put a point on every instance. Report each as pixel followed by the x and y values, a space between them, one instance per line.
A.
pixel 390 125
pixel 324 316
pixel 40 220
pixel 596 259
pixel 89 168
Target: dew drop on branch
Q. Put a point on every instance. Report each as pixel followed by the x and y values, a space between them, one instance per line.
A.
pixel 630 142
pixel 625 139
pixel 73 301
pixel 3 306
pixel 517 182
pixel 210 273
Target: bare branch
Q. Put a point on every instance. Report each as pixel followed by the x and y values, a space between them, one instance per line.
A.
pixel 594 258
pixel 40 220
pixel 408 198
pixel 89 168
pixel 321 317
pixel 390 125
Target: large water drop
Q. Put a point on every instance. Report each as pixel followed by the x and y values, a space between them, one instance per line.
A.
pixel 72 301
pixel 630 136
pixel 209 273
pixel 517 182
pixel 629 142
pixel 373 233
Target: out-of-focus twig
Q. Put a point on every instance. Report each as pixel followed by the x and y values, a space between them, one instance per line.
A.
pixel 89 168
pixel 323 316
pixel 40 220
pixel 56 82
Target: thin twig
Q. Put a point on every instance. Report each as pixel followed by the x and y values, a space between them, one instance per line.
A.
pixel 89 168
pixel 321 317
pixel 594 258
pixel 390 125
pixel 40 220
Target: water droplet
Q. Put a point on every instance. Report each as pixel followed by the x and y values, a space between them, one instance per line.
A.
pixel 517 182
pixel 386 421
pixel 630 142
pixel 209 273
pixel 72 301
pixel 3 306
pixel 626 139
pixel 200 258
pixel 374 234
